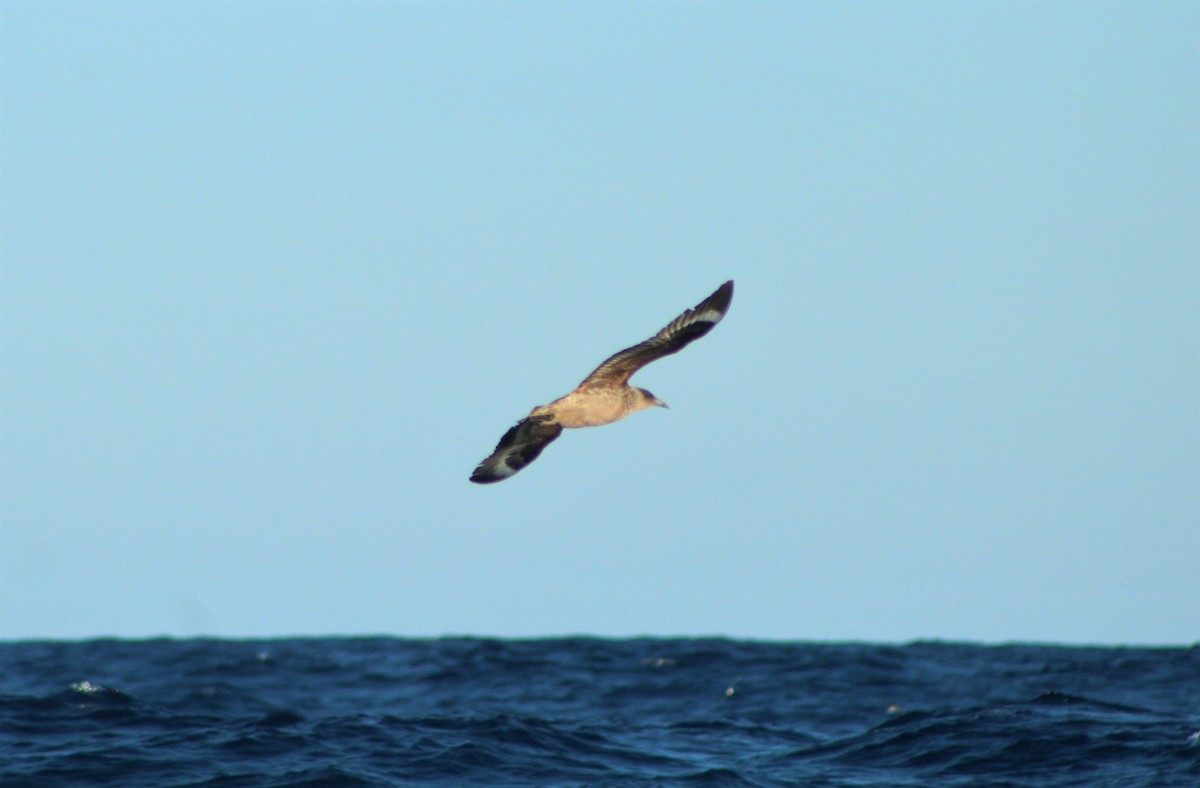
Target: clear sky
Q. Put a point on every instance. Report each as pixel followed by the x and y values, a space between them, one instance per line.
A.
pixel 276 276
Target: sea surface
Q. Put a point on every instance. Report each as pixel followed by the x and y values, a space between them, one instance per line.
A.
pixel 592 711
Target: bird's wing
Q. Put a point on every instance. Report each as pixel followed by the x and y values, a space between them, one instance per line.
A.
pixel 679 333
pixel 520 446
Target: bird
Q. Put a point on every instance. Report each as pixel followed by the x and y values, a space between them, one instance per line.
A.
pixel 605 395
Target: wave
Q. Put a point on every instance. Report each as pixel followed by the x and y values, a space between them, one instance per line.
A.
pixel 384 712
pixel 1095 742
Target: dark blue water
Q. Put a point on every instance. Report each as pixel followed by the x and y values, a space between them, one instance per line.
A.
pixel 586 711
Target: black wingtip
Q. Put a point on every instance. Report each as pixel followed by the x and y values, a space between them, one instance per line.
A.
pixel 720 300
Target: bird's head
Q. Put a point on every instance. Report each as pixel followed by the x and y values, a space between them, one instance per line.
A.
pixel 649 400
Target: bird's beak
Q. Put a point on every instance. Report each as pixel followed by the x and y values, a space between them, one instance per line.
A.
pixel 662 404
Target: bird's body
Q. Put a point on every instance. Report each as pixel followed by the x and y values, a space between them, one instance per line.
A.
pixel 593 406
pixel 605 395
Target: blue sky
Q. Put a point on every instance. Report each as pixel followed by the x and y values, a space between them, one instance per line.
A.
pixel 276 276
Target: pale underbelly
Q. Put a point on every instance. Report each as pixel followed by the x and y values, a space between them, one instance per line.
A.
pixel 580 410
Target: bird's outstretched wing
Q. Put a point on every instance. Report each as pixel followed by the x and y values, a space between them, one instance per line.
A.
pixel 520 446
pixel 679 333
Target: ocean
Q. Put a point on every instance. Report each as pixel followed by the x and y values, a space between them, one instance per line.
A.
pixel 587 711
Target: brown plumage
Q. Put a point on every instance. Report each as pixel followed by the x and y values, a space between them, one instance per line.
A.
pixel 605 395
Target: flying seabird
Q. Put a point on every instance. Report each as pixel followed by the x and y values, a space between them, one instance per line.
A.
pixel 605 395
